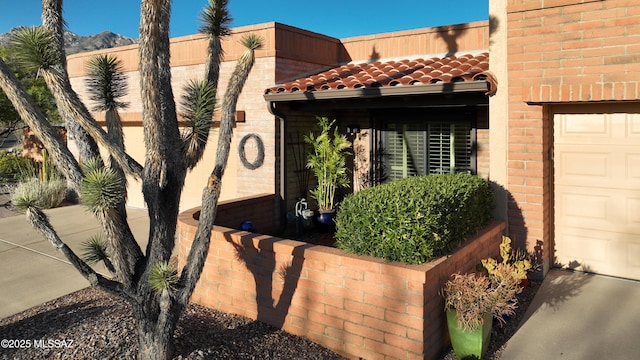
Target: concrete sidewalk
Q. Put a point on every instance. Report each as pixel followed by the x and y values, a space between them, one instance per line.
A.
pixel 578 316
pixel 32 271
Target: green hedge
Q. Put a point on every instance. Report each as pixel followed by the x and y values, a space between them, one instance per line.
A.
pixel 416 219
pixel 13 163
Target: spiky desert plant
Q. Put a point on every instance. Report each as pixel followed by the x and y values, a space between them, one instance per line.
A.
pixel 107 84
pixel 34 48
pixel 163 277
pixel 95 250
pixel 102 189
pixel 198 104
pixel 215 20
pixel 105 188
pixel 166 162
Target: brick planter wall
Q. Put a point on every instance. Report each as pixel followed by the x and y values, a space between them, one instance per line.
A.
pixel 261 210
pixel 358 306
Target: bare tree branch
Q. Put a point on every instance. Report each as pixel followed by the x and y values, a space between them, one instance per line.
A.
pixel 41 223
pixel 211 194
pixel 53 22
pixel 164 172
pixel 34 118
pixel 69 103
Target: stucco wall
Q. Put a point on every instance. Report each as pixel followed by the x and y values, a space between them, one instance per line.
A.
pixel 187 59
pixel 288 53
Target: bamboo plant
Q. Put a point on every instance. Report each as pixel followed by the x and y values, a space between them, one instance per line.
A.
pixel 327 161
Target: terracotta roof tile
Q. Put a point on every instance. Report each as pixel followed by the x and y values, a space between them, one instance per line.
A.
pixel 405 72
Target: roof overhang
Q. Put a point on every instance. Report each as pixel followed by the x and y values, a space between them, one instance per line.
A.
pixel 369 93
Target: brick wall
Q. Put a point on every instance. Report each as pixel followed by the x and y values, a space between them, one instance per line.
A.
pixel 560 51
pixel 358 306
pixel 261 210
pixel 438 40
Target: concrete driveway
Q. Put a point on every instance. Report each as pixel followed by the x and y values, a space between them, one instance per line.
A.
pixel 32 271
pixel 578 316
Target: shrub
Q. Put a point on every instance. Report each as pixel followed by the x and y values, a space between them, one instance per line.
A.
pixel 12 163
pixel 43 195
pixel 415 219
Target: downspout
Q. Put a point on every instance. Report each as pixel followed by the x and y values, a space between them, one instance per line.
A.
pixel 271 106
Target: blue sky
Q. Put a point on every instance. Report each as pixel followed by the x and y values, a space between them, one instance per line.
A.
pixel 337 18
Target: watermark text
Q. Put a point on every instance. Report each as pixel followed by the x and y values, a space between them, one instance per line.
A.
pixel 35 343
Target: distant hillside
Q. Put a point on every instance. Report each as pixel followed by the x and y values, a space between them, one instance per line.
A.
pixel 75 43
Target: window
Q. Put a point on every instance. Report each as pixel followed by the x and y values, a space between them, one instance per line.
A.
pixel 414 147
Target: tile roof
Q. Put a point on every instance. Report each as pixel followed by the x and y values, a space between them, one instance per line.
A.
pixel 408 72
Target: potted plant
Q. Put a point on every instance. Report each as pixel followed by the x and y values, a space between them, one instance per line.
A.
pixel 327 162
pixel 472 301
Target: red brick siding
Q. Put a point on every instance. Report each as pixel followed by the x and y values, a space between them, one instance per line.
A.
pixel 358 306
pixel 570 51
pixel 437 40
pixel 560 51
pixel 261 210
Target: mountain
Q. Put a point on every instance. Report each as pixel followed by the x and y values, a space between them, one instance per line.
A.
pixel 75 43
pixel 104 40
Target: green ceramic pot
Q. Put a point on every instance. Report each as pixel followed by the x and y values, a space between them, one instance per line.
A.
pixel 469 344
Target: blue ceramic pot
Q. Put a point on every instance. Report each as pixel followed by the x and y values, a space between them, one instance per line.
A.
pixel 325 221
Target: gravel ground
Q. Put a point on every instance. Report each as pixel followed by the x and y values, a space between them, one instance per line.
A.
pixel 89 324
pixel 5 200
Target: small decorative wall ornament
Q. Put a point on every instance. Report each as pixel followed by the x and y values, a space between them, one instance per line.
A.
pixel 243 157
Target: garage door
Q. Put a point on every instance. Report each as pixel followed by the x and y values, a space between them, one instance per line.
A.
pixel 597 192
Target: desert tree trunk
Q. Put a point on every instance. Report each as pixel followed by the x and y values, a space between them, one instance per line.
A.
pixel 52 20
pixel 34 118
pixel 169 154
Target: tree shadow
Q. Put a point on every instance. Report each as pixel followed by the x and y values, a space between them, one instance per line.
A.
pixel 450 35
pixel 494 25
pixel 48 324
pixel 56 319
pixel 262 263
pixel 238 337
pixel 375 55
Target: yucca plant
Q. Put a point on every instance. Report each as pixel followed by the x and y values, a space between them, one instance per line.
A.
pixel 163 277
pixel 327 161
pixel 95 251
pixel 102 189
pixel 156 293
pixel 198 102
